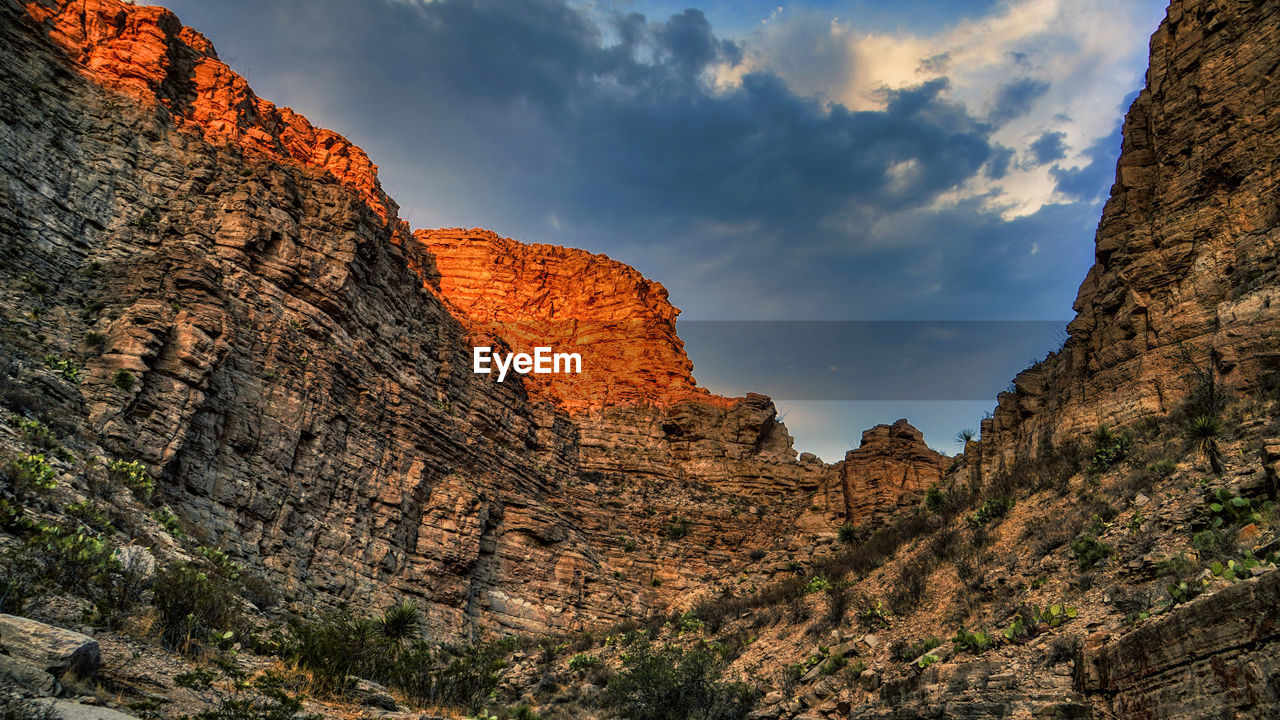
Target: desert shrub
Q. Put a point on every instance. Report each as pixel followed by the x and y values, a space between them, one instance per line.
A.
pixel 31 471
pixel 341 647
pixel 400 623
pixel 123 379
pixel 133 475
pixel 194 602
pixel 909 588
pixel 901 650
pixel 975 642
pixel 1225 509
pixel 847 533
pixel 1109 448
pixel 1089 551
pixel 1214 543
pixel 66 369
pixel 672 683
pixel 756 555
pixel 584 661
pixel 37 433
pixel 1203 431
pixel 817 583
pixel 1064 648
pixel 934 500
pixel 167 520
pixel 77 560
pixel 873 615
pixel 991 509
pixel 233 695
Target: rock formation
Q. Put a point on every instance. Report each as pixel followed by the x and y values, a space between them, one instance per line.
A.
pixel 1185 274
pixel 298 363
pixel 572 301
pixel 891 464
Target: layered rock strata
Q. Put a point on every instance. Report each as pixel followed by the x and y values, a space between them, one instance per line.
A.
pixel 1185 277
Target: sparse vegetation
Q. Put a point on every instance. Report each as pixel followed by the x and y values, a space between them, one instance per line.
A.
pixel 672 683
pixel 1090 551
pixel 123 380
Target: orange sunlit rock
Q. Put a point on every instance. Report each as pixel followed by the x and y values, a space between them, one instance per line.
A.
pixel 574 301
pixel 146 53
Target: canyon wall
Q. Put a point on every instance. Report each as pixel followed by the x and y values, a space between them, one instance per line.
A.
pixel 1185 274
pixel 257 326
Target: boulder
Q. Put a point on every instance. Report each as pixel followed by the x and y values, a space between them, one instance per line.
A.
pixel 52 649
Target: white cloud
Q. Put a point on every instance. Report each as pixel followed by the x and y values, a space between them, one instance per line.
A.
pixel 1089 53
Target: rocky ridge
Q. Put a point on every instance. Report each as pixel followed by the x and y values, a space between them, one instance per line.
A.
pixel 1184 278
pixel 298 369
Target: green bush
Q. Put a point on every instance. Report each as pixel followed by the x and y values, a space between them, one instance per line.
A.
pixel 847 533
pixel 36 433
pixel 1109 448
pixel 233 695
pixel 32 471
pixel 167 520
pixel 341 647
pixel 672 683
pixel 976 642
pixel 66 369
pixel 1203 432
pixel 1224 508
pixel 582 662
pixel 902 651
pixel 817 583
pixel 934 500
pixel 123 379
pixel 132 474
pixel 992 509
pixel 1089 551
pixel 194 604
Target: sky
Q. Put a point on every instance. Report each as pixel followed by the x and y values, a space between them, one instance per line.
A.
pixel 856 160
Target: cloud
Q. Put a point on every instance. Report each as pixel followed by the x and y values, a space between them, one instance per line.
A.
pixel 1028 66
pixel 1013 99
pixel 809 170
pixel 1049 147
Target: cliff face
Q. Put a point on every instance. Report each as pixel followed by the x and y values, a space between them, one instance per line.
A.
pixel 572 301
pixel 891 465
pixel 305 402
pixel 299 367
pixel 1185 270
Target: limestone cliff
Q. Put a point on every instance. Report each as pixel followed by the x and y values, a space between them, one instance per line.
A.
pixel 1185 272
pixel 296 364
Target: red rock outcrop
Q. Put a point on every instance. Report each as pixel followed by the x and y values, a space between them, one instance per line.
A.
pixel 573 301
pixel 149 55
pixel 1186 249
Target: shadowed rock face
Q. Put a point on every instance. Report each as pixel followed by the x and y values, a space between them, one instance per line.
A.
pixel 302 371
pixel 890 464
pixel 1187 245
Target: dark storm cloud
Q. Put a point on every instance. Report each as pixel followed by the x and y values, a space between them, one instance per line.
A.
pixel 602 130
pixel 1049 147
pixel 1013 99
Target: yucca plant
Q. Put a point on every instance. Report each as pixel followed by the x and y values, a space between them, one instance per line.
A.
pixel 1203 432
pixel 400 623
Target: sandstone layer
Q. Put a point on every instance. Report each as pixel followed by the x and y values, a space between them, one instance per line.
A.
pixel 1185 274
pixel 300 364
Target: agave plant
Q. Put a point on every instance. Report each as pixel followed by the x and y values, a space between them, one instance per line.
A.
pixel 1203 432
pixel 400 622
